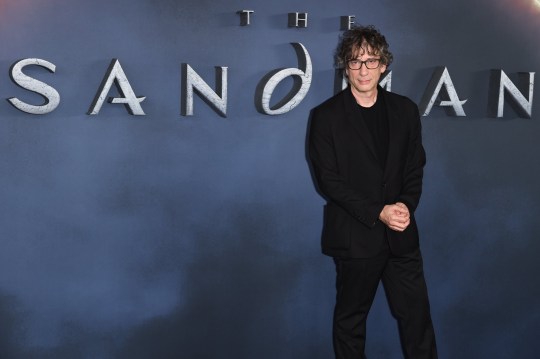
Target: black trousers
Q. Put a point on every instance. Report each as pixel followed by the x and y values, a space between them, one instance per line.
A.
pixel 403 280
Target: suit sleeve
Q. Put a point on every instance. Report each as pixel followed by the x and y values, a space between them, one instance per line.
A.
pixel 330 181
pixel 414 166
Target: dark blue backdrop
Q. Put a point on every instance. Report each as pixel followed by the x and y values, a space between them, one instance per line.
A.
pixel 164 236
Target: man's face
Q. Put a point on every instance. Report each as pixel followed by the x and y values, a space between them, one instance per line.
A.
pixel 364 81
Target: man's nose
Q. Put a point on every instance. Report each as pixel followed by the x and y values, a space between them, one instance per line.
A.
pixel 363 69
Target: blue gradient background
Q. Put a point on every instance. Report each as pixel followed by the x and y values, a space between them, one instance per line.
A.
pixel 165 236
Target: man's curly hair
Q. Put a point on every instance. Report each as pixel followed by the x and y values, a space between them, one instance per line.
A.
pixel 362 37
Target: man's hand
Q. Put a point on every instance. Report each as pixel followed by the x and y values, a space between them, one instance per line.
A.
pixel 396 216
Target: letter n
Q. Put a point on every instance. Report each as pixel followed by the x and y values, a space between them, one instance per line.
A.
pixel 192 82
pixel 500 84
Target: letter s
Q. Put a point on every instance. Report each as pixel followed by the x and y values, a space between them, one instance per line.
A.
pixel 52 97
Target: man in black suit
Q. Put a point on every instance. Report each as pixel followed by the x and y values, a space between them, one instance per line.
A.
pixel 366 154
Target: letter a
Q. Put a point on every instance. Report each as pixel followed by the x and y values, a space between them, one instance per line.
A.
pixel 115 74
pixel 441 77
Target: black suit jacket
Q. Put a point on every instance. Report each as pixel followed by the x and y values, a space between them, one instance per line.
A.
pixel 351 178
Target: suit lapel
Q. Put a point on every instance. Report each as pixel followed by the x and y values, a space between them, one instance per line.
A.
pixel 393 127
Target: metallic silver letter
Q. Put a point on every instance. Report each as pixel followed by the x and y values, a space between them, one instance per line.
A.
pixel 386 82
pixel 441 77
pixel 347 22
pixel 302 82
pixel 115 74
pixel 344 80
pixel 245 17
pixel 501 83
pixel 52 97
pixel 192 81
pixel 297 19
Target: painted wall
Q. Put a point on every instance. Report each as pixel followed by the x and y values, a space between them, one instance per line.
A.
pixel 167 236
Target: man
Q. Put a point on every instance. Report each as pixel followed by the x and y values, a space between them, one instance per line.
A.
pixel 366 154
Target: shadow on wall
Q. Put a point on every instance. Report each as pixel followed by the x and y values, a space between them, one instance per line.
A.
pixel 239 300
pixel 236 299
pixel 8 331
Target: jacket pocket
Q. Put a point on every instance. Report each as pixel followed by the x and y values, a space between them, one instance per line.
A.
pixel 336 227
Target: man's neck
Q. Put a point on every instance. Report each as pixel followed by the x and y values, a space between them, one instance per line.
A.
pixel 365 99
